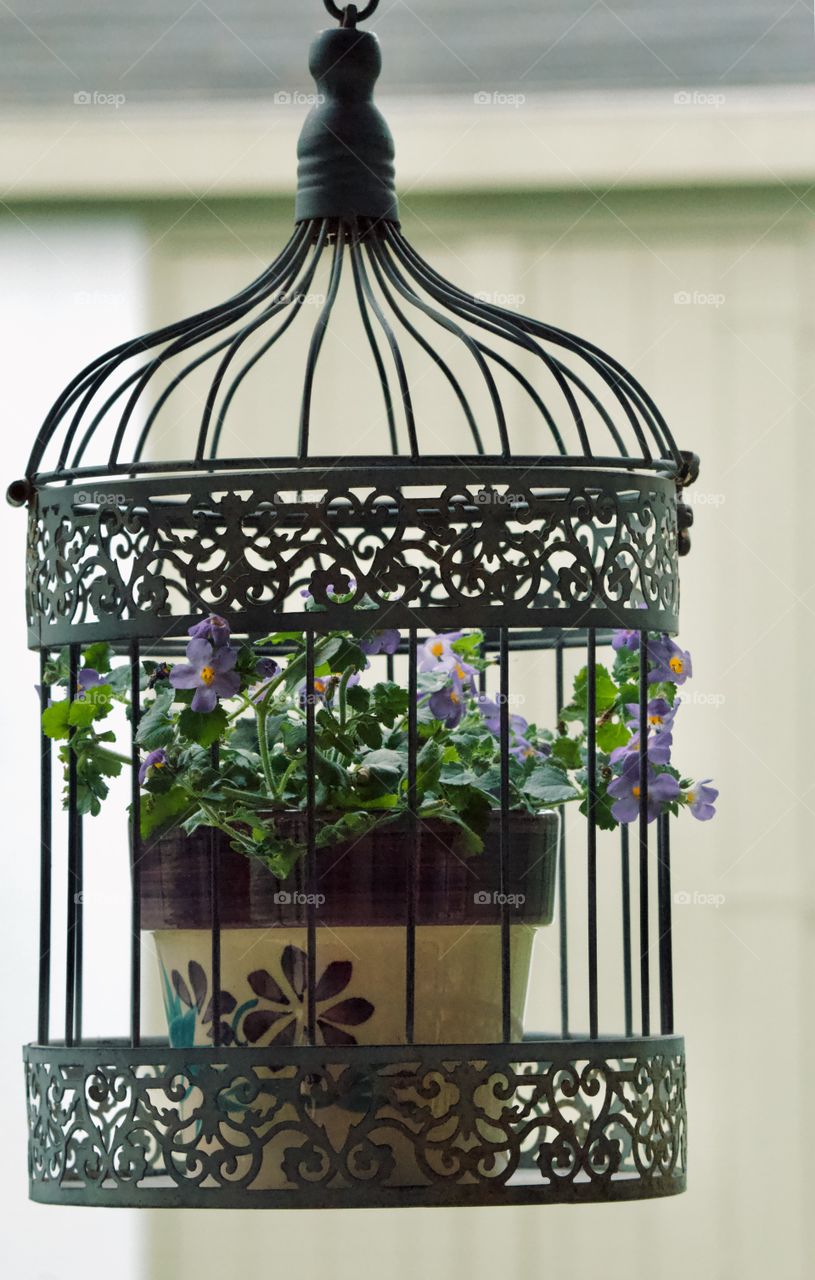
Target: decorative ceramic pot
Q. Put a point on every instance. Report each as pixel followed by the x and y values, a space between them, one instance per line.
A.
pixel 360 908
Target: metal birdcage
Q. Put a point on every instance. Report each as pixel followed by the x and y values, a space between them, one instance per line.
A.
pixel 545 550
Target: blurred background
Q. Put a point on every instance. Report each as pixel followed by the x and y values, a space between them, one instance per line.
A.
pixel 641 172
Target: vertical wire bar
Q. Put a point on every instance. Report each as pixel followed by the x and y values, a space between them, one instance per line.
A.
pixel 389 667
pixel 645 973
pixel 561 871
pixel 591 813
pixel 215 918
pixel 666 982
pixel 413 836
pixel 625 874
pixel 506 976
pixel 79 931
pixel 135 850
pixel 311 851
pixel 44 983
pixel 70 952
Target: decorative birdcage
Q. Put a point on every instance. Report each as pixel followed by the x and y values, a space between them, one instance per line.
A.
pixel 144 519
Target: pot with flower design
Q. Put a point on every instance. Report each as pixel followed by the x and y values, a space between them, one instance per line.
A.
pixel 226 780
pixel 225 774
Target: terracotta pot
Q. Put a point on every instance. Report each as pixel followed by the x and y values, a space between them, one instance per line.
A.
pixel 361 895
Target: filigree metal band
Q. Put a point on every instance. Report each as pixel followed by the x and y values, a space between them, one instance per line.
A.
pixel 555 1121
pixel 511 545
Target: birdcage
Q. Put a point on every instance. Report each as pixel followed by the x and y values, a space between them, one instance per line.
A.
pixel 352 1033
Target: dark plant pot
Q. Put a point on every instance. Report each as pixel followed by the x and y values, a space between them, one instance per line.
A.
pixel 361 909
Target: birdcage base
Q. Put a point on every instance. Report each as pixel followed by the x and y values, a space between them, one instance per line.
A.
pixel 560 1121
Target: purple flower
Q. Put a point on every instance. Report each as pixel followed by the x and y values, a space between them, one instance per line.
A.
pixel 447 704
pixel 625 640
pixel 492 717
pixel 669 663
pixel 660 715
pixel 522 750
pixel 380 642
pixel 700 797
pixel 214 628
pixel 438 649
pixel 209 672
pixel 625 791
pixel 155 760
pixel 330 591
pixel 266 668
pixel 87 679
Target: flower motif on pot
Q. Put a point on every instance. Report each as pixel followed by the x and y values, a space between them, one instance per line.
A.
pixel 186 1004
pixel 285 1004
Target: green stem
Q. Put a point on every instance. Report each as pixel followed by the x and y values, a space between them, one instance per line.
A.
pixel 263 743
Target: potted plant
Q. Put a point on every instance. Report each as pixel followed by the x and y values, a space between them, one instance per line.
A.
pixel 225 766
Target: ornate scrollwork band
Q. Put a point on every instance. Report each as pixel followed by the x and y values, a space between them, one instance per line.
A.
pixel 509 546
pixel 557 1121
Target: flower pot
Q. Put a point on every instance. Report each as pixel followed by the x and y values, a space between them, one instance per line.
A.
pixel 360 909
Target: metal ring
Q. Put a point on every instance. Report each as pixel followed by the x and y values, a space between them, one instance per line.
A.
pixel 339 14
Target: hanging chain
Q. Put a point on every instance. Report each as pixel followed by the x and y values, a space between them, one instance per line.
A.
pixel 350 15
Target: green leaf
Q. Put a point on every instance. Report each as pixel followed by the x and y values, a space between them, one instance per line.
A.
pixel 602 808
pixel 548 784
pixel 159 811
pixel 612 734
pixel 83 711
pixel 606 694
pixel 55 719
pixel 566 751
pixel 428 767
pixel 203 727
pixel 389 702
pixel 357 698
pixel 369 732
pixel 97 656
pixel 155 727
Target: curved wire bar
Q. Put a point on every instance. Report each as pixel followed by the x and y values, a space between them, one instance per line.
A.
pixel 392 283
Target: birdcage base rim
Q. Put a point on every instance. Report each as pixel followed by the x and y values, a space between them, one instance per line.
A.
pixel 542 1121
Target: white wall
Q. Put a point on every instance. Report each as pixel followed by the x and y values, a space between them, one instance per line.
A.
pixel 730 370
pixel 735 382
pixel 70 288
